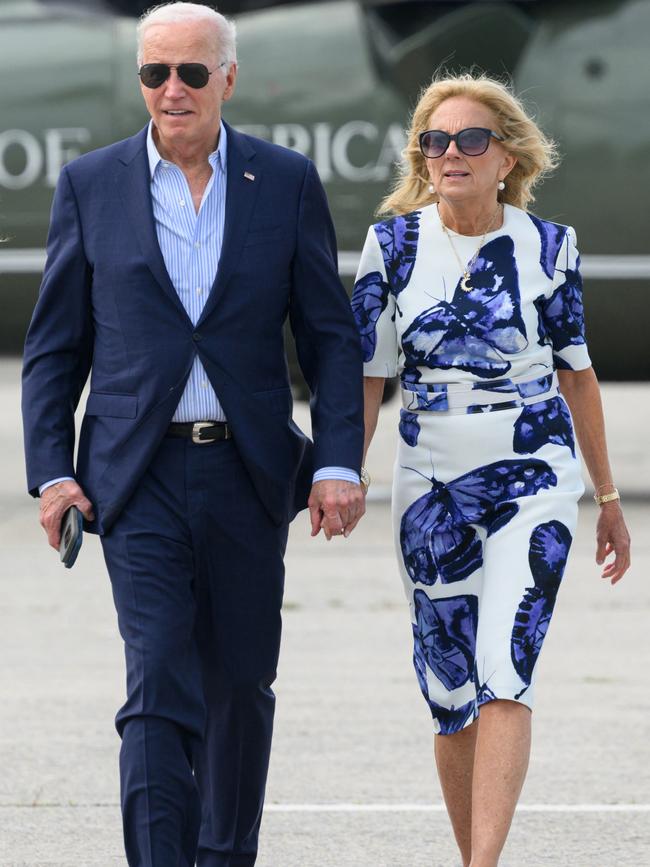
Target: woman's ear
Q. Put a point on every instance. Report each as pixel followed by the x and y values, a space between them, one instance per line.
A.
pixel 508 164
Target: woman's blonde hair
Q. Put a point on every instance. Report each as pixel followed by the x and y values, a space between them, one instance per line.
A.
pixel 536 154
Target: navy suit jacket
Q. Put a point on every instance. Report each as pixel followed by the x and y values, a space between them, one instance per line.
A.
pixel 107 304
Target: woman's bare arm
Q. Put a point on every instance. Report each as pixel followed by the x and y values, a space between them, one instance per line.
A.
pixel 581 391
pixel 373 391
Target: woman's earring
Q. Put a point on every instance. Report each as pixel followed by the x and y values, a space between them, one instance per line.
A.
pixel 432 189
pixel 501 186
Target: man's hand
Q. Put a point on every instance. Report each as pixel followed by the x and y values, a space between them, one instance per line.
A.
pixel 335 506
pixel 55 502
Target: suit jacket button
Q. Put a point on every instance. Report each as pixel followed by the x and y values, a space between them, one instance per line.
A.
pixel 196 337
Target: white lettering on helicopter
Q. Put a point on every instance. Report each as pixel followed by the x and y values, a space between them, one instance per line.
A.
pixel 35 156
pixel 337 151
pixel 358 151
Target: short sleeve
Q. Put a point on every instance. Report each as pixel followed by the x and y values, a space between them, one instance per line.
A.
pixel 561 312
pixel 373 306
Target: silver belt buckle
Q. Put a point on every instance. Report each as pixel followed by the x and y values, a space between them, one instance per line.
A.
pixel 197 427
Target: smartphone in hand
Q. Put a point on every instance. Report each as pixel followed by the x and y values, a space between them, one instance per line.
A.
pixel 71 536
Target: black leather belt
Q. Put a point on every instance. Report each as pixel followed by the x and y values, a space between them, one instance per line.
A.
pixel 200 431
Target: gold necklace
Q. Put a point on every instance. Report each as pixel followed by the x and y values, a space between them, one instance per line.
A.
pixel 467 270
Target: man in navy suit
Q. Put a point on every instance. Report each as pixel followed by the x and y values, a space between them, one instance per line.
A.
pixel 174 258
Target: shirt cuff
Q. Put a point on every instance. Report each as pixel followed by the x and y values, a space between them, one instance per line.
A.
pixel 49 484
pixel 341 473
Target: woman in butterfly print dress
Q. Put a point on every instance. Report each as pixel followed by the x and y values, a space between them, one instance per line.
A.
pixel 477 305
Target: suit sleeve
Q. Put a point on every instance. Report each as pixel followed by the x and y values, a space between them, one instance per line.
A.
pixel 327 343
pixel 58 347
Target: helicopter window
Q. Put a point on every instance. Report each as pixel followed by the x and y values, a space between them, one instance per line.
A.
pixel 408 40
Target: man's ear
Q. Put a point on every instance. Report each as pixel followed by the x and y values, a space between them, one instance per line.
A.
pixel 231 78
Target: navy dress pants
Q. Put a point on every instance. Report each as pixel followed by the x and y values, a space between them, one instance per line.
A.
pixel 196 567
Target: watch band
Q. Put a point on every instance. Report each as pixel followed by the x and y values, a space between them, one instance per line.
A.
pixel 364 478
pixel 607 498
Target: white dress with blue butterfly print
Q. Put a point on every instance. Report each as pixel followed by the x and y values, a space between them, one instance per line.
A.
pixel 486 479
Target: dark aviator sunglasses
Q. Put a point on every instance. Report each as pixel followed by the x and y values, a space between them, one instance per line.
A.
pixel 194 75
pixel 472 141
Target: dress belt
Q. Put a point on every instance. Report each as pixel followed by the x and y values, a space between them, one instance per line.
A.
pixel 475 397
pixel 200 431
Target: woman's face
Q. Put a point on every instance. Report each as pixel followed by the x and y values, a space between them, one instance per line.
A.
pixel 458 178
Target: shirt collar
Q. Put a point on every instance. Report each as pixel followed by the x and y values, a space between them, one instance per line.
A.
pixel 217 158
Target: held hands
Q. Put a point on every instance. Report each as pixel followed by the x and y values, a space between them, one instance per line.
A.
pixel 612 536
pixel 55 502
pixel 335 506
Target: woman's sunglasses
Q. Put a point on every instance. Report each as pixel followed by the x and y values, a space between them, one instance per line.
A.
pixel 472 141
pixel 194 75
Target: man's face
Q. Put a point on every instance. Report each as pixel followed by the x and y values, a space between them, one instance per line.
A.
pixel 184 115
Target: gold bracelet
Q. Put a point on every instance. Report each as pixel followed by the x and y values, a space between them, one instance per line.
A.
pixel 607 498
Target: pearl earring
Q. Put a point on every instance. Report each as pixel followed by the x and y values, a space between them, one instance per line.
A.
pixel 501 185
pixel 432 189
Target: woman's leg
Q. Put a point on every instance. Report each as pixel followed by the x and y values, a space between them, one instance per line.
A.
pixel 455 760
pixel 500 765
pixel 523 566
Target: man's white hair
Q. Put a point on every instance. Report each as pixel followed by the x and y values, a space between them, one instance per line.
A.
pixel 172 13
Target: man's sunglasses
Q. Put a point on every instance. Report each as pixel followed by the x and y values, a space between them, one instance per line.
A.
pixel 472 141
pixel 194 75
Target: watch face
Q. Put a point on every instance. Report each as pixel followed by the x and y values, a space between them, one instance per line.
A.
pixel 364 476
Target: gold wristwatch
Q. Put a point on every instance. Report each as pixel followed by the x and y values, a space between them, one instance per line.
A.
pixel 364 479
pixel 607 498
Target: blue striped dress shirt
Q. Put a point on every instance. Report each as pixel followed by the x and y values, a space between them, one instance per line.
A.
pixel 190 244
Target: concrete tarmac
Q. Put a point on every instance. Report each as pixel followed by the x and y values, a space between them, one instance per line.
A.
pixel 352 781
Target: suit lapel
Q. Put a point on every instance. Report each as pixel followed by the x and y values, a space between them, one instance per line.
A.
pixel 241 195
pixel 134 184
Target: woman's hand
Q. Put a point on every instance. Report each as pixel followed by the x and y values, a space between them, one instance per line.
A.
pixel 612 536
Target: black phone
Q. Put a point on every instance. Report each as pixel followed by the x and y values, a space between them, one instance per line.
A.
pixel 71 536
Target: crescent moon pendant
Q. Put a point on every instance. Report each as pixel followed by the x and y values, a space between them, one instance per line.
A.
pixel 464 285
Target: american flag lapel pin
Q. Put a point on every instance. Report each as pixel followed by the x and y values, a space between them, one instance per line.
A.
pixel 249 176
